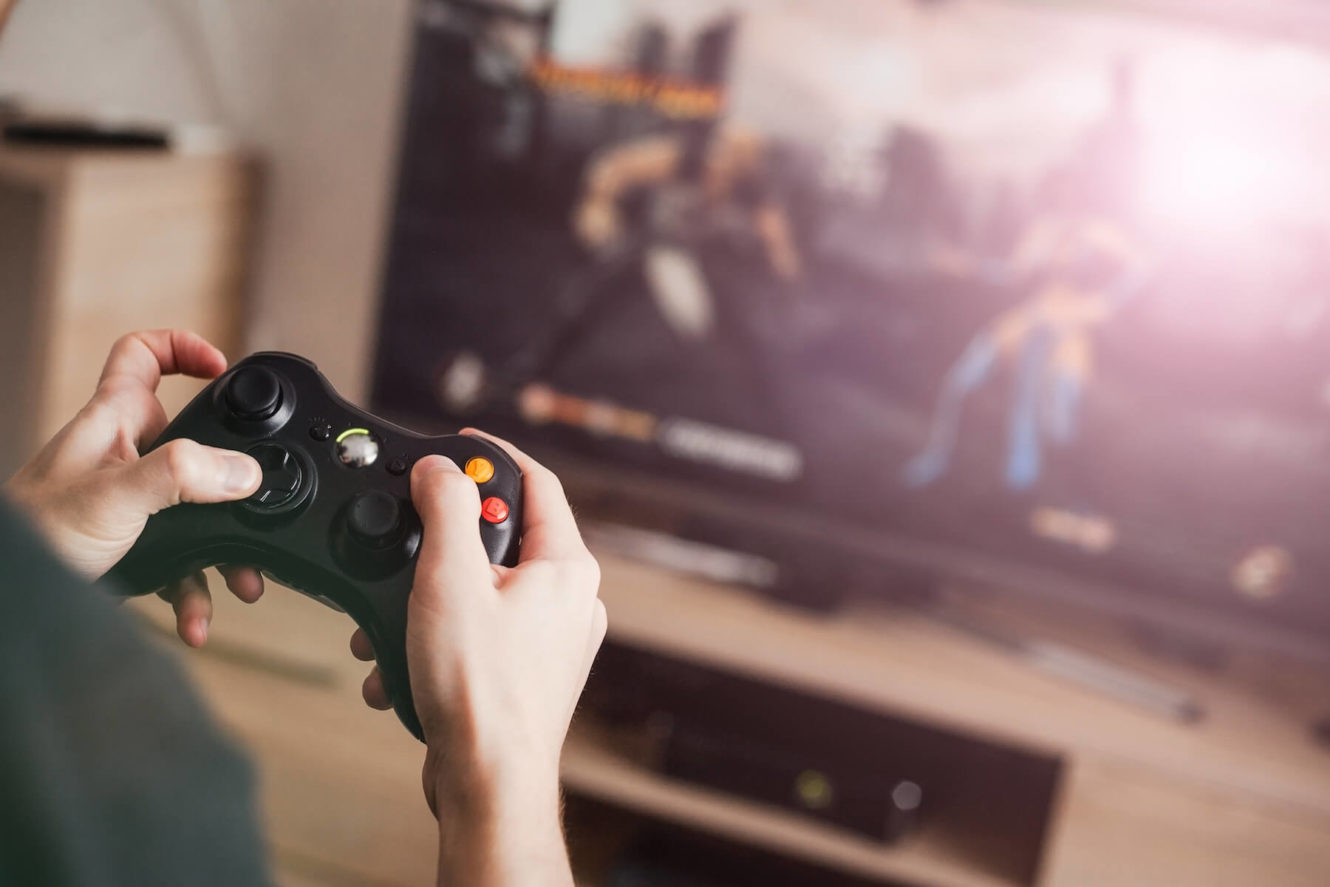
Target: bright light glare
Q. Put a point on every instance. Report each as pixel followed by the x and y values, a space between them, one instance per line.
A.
pixel 1231 148
pixel 1216 180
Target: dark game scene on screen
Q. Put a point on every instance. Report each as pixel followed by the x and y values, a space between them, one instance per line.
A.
pixel 1046 285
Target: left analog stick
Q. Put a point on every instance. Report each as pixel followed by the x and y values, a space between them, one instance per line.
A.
pixel 253 393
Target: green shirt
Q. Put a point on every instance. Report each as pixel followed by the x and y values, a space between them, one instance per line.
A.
pixel 111 770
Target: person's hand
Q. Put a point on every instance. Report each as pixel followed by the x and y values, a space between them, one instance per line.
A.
pixel 498 658
pixel 90 492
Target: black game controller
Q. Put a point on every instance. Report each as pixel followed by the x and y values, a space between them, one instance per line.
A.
pixel 333 517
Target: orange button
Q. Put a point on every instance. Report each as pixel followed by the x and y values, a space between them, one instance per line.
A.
pixel 479 469
pixel 494 510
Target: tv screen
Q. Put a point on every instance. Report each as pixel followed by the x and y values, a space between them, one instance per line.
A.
pixel 1034 284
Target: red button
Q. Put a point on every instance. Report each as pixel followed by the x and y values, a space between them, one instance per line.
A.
pixel 494 510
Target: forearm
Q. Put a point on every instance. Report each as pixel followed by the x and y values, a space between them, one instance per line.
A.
pixel 496 832
pixel 497 662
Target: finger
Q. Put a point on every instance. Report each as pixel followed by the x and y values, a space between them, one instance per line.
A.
pixel 192 602
pixel 151 422
pixel 128 408
pixel 361 648
pixel 549 530
pixel 145 357
pixel 115 426
pixel 374 691
pixel 452 555
pixel 134 368
pixel 245 583
pixel 182 471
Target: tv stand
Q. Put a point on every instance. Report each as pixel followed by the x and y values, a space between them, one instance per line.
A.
pixel 1240 797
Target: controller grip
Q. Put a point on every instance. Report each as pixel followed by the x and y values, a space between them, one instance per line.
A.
pixel 387 632
pixel 380 612
pixel 162 554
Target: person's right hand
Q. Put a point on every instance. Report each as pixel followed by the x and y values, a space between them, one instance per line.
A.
pixel 498 658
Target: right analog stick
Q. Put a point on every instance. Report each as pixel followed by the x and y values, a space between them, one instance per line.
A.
pixel 375 519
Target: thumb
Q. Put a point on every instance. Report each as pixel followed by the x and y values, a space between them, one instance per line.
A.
pixel 452 555
pixel 185 471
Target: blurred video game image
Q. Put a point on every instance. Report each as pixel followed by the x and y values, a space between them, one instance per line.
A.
pixel 1043 283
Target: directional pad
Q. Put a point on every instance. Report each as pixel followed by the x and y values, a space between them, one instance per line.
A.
pixel 282 476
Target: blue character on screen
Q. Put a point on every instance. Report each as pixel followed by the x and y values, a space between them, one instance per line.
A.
pixel 1080 272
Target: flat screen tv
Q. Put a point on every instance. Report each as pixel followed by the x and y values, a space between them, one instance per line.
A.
pixel 1027 293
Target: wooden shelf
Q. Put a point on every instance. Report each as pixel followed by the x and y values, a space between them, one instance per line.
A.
pixel 590 768
pixel 903 663
pixel 96 244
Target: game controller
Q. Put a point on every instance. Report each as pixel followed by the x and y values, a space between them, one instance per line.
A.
pixel 333 517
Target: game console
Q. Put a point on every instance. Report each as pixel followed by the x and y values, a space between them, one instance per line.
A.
pixel 841 766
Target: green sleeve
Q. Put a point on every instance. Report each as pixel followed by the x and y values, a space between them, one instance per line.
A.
pixel 111 770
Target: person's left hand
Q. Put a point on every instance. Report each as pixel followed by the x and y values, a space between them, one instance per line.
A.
pixel 91 494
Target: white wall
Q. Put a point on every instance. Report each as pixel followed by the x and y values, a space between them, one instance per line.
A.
pixel 315 86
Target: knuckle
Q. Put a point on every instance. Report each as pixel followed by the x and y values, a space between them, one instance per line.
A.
pixel 101 409
pixel 124 343
pixel 580 573
pixel 537 475
pixel 455 483
pixel 182 459
pixel 449 486
pixel 426 485
pixel 123 346
pixel 110 388
pixel 544 573
pixel 549 480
